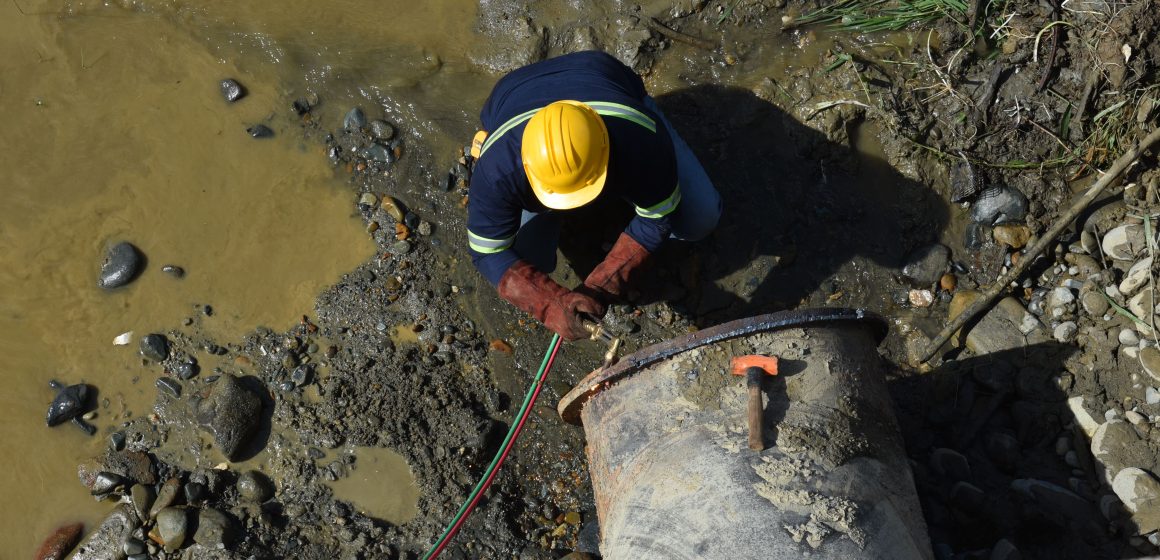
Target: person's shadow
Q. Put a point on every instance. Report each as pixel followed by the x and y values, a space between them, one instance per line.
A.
pixel 798 209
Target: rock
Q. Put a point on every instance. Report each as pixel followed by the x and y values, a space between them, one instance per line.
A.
pixel 1088 241
pixel 231 413
pixel 1140 493
pixel 165 496
pixel 1142 304
pixel 1085 266
pixel 169 386
pixel 376 152
pixel 368 200
pixel 106 483
pixel 382 130
pixel 1128 337
pixel 967 497
pixel 232 90
pixel 1055 502
pixel 185 369
pixel 920 298
pixel 424 228
pixel 1135 418
pixel 260 131
pixel 925 266
pixel 1060 297
pixel 1150 360
pixel 1003 450
pixel 155 347
pixel 1094 304
pixel 1065 331
pixel 214 529
pixel 141 498
pixel 1111 507
pixel 255 487
pixel 69 403
pixel 173 270
pixel 950 464
pixel 60 542
pixel 194 492
pixel 133 546
pixel 1004 550
pixel 1151 395
pixel 106 541
pixel 1136 277
pixel 354 119
pixel 400 248
pixel 1014 236
pixel 171 525
pixel 122 264
pixel 1006 326
pixel 1114 447
pixel 1082 410
pixel 1125 242
pixel 998 205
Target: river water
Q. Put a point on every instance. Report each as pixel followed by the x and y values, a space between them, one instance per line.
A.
pixel 114 130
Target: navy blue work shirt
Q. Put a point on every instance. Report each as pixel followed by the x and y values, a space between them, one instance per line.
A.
pixel 642 166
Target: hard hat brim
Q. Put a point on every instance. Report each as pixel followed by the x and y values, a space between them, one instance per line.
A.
pixel 568 201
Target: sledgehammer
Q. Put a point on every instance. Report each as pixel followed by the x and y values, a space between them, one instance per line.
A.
pixel 754 367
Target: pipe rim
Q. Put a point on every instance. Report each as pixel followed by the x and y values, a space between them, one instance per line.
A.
pixel 572 404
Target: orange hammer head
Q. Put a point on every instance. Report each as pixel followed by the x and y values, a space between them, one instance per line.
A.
pixel 768 364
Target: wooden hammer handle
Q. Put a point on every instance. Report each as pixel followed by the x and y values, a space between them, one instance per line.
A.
pixel 753 384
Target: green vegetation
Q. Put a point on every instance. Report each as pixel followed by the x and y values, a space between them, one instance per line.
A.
pixel 869 16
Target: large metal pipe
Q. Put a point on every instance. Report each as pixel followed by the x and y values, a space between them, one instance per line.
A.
pixel 674 478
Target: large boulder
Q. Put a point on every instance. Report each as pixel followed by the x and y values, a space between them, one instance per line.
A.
pixel 231 413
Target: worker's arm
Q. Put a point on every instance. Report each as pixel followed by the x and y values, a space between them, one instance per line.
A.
pixel 492 223
pixel 655 194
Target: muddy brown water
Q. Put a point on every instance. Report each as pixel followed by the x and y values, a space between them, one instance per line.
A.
pixel 115 130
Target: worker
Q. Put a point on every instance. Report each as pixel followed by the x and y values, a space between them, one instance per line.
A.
pixel 557 135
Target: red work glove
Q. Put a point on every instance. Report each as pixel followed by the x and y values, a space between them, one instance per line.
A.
pixel 610 277
pixel 555 306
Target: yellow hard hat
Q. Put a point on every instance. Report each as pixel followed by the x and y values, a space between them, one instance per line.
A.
pixel 565 153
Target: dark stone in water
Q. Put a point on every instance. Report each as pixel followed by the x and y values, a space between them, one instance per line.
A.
pixel 411 220
pixel 169 386
pixel 999 205
pixel 382 130
pixel 378 153
pixel 207 310
pixel 231 413
pixel 173 270
pixel 301 106
pixel 194 492
pixel 354 120
pixel 69 403
pixel 60 542
pixel 121 266
pixel 260 131
pixel 232 90
pixel 155 347
pixel 186 369
pixel 117 441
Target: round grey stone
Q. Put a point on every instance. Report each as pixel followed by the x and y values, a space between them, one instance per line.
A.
pixel 155 347
pixel 171 526
pixel 255 487
pixel 122 264
pixel 382 130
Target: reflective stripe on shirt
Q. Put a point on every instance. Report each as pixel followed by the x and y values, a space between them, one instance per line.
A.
pixel 601 107
pixel 663 208
pixel 484 245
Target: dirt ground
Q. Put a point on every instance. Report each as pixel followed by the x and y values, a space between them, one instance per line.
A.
pixel 834 177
